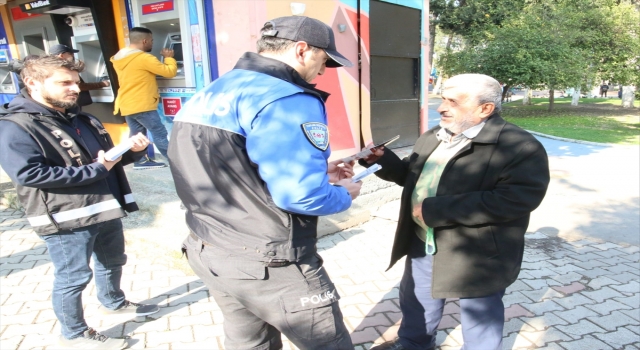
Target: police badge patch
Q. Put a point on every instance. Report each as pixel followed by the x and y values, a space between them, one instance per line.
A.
pixel 317 134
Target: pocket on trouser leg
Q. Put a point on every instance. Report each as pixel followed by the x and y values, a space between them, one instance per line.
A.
pixel 311 316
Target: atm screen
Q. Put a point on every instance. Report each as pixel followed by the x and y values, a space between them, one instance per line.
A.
pixel 177 51
pixel 4 57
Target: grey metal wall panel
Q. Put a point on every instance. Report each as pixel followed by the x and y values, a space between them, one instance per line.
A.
pixel 395 30
pixel 395 73
pixel 393 78
pixel 391 118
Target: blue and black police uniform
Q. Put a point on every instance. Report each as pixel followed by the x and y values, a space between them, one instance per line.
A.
pixel 249 158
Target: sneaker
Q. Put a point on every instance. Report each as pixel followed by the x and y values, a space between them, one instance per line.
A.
pixel 133 308
pixel 392 345
pixel 91 339
pixel 146 163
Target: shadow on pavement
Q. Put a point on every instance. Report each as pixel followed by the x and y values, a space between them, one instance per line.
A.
pixel 193 295
pixel 17 260
pixel 545 279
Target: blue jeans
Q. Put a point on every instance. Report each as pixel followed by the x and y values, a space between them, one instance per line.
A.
pixel 70 252
pixel 482 318
pixel 141 122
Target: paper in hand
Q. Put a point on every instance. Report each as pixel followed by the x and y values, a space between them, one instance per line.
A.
pixel 117 151
pixel 359 155
pixel 367 152
pixel 370 170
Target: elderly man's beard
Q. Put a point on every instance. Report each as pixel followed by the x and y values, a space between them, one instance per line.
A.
pixel 460 126
pixel 66 104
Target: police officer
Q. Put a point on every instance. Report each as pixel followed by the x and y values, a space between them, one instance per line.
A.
pixel 249 158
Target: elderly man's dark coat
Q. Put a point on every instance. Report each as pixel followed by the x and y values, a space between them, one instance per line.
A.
pixel 481 209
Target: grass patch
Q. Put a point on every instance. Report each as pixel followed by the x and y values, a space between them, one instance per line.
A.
pixel 596 120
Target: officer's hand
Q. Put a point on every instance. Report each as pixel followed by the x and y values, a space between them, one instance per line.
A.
pixel 106 83
pixel 107 164
pixel 339 170
pixel 166 53
pixel 352 187
pixel 139 142
pixel 376 153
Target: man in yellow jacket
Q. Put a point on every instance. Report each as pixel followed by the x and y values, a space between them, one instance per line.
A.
pixel 138 95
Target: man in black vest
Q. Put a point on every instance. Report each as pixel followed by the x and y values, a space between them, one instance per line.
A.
pixel 73 196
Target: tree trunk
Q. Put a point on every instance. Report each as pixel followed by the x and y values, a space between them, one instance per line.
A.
pixel 575 98
pixel 436 88
pixel 449 42
pixel 432 49
pixel 432 43
pixel 526 100
pixel 505 89
pixel 552 96
pixel 627 97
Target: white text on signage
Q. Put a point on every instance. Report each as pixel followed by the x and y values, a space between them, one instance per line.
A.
pixel 36 4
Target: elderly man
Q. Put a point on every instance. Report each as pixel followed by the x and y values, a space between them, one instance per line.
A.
pixel 73 196
pixel 249 159
pixel 469 187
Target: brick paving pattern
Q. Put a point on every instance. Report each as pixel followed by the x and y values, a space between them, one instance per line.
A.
pixel 570 295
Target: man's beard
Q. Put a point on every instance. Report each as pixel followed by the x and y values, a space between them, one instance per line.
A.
pixel 458 128
pixel 60 103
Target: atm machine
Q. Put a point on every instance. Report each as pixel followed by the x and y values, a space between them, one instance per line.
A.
pixel 173 41
pixel 165 36
pixel 95 66
pixel 87 40
pixel 8 80
pixel 9 83
pixel 85 25
pixel 32 35
pixel 171 24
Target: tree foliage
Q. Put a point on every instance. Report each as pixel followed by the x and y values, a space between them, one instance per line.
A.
pixel 557 44
pixel 470 19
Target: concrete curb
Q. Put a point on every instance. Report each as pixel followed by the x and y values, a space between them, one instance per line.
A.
pixel 578 141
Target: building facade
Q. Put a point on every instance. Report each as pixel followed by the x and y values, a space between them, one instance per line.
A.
pixel 382 95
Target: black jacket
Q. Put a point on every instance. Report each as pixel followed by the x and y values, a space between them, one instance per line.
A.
pixel 45 154
pixel 481 209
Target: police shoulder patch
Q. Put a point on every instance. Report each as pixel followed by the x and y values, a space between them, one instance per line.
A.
pixel 317 134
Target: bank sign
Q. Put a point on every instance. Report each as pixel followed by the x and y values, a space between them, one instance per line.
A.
pixel 36 4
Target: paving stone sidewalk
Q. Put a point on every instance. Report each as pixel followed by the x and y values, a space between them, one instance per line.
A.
pixel 570 295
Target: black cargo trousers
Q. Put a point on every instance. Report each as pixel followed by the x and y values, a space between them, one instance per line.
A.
pixel 260 303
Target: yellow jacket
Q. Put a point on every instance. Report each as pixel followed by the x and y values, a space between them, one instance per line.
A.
pixel 137 72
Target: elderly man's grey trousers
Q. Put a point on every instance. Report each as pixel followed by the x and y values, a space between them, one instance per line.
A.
pixel 297 300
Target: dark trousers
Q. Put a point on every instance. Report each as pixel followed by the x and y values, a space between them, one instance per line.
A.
pixel 70 252
pixel 482 318
pixel 297 300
